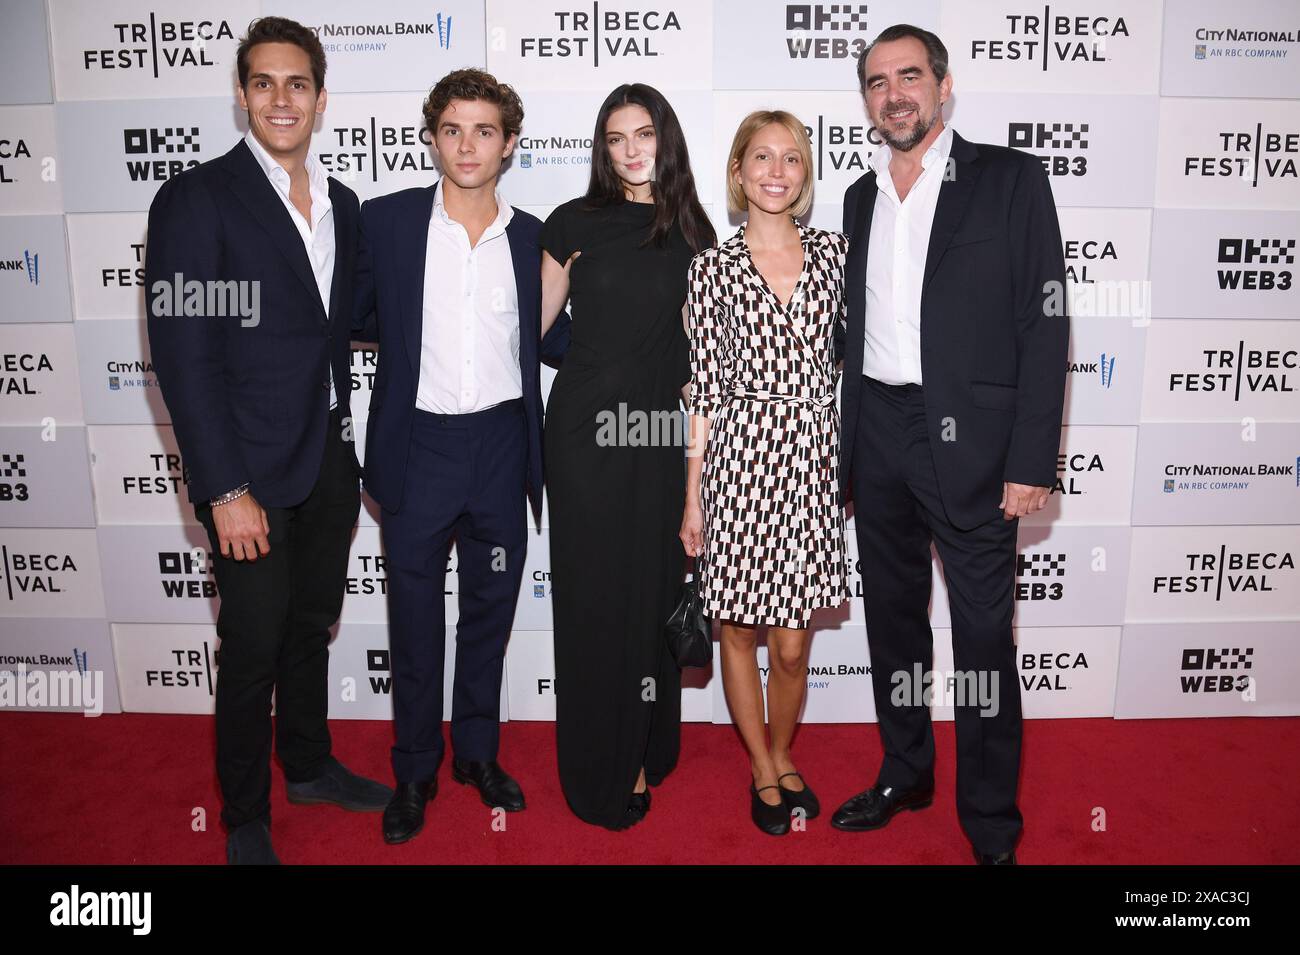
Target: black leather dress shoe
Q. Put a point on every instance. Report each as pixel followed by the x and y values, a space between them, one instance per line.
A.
pixel 1002 858
pixel 404 815
pixel 341 787
pixel 774 820
pixel 250 844
pixel 875 807
pixel 493 783
pixel 804 799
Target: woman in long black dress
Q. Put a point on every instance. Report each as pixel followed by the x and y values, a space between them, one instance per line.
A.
pixel 614 445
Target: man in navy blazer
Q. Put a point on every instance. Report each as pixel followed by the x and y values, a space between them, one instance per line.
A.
pixel 249 279
pixel 449 285
pixel 954 381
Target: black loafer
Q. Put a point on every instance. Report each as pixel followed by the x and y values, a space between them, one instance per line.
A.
pixel 1001 858
pixel 250 844
pixel 494 785
pixel 804 799
pixel 875 807
pixel 404 815
pixel 340 786
pixel 774 820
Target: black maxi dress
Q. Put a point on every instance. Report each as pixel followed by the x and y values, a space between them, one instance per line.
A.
pixel 616 487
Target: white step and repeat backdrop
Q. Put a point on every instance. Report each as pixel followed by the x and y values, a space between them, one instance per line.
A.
pixel 1161 581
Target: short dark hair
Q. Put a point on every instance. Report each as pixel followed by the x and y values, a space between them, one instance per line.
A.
pixel 472 84
pixel 934 47
pixel 281 30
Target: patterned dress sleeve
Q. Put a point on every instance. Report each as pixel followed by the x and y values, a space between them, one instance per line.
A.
pixel 838 255
pixel 711 360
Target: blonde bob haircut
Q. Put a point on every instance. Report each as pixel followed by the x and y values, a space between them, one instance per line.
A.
pixel 749 127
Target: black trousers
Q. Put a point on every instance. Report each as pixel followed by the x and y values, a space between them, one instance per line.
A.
pixel 898 513
pixel 274 622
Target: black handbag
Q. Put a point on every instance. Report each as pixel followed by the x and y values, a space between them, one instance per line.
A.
pixel 688 631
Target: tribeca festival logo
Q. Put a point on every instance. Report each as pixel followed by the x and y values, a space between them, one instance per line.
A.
pixel 806 24
pixel 35 573
pixel 185 668
pixel 1040 565
pixel 1253 156
pixel 1231 43
pixel 372 148
pixel 1073 470
pixel 148 46
pixel 29 264
pixel 157 142
pixel 613 34
pixel 17 370
pixel 373 37
pixel 1256 370
pixel 1047 39
pixel 1202 669
pixel 841 147
pixel 125 276
pixel 12 470
pixel 165 475
pixel 1046 671
pixel 1255 252
pixel 1209 574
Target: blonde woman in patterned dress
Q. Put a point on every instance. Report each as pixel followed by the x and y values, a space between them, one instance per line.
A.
pixel 762 507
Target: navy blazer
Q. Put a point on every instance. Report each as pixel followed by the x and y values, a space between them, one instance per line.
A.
pixel 993 361
pixel 249 401
pixel 390 310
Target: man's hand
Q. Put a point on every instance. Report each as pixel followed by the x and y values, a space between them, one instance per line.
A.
pixel 1021 500
pixel 242 528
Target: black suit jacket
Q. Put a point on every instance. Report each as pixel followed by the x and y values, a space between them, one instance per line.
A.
pixel 249 402
pixel 390 310
pixel 993 360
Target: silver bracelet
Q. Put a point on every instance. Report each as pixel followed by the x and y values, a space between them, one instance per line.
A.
pixel 229 496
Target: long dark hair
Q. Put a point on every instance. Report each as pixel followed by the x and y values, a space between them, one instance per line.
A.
pixel 673 186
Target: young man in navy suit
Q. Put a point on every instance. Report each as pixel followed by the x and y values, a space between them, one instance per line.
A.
pixel 258 398
pixel 449 284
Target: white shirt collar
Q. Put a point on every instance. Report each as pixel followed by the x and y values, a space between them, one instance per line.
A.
pixel 279 175
pixel 937 152
pixel 504 211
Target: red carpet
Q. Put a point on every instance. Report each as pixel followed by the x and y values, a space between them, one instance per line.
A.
pixel 123 789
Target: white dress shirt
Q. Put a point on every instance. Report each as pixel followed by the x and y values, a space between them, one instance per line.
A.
pixel 317 235
pixel 898 245
pixel 469 343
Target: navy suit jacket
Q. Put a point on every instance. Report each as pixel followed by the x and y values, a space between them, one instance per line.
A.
pixel 993 361
pixel 249 401
pixel 390 310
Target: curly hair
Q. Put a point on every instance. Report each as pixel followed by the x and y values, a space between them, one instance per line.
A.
pixel 472 84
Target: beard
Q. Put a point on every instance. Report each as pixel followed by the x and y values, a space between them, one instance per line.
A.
pixel 918 131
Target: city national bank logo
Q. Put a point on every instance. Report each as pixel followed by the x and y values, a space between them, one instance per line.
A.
pixel 1056 145
pixel 1043 40
pixel 1039 566
pixel 1256 252
pixel 541 584
pixel 1236 572
pixel 1104 369
pixel 1203 669
pixel 156 44
pixel 17 369
pixel 29 264
pixel 154 143
pixel 554 150
pixel 381 678
pixel 1253 156
pixel 124 375
pixel 1224 370
pixel 186 575
pixel 13 469
pixel 45 681
pixel 807 26
pixel 604 34
pixel 1224 477
pixel 1073 470
pixel 374 37
pixel 38 573
pixel 1231 43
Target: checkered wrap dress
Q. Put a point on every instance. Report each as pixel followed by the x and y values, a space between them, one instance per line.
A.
pixel 765 376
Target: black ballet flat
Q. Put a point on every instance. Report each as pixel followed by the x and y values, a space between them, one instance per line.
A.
pixel 774 820
pixel 804 799
pixel 639 804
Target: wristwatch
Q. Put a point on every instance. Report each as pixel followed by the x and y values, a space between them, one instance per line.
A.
pixel 229 496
